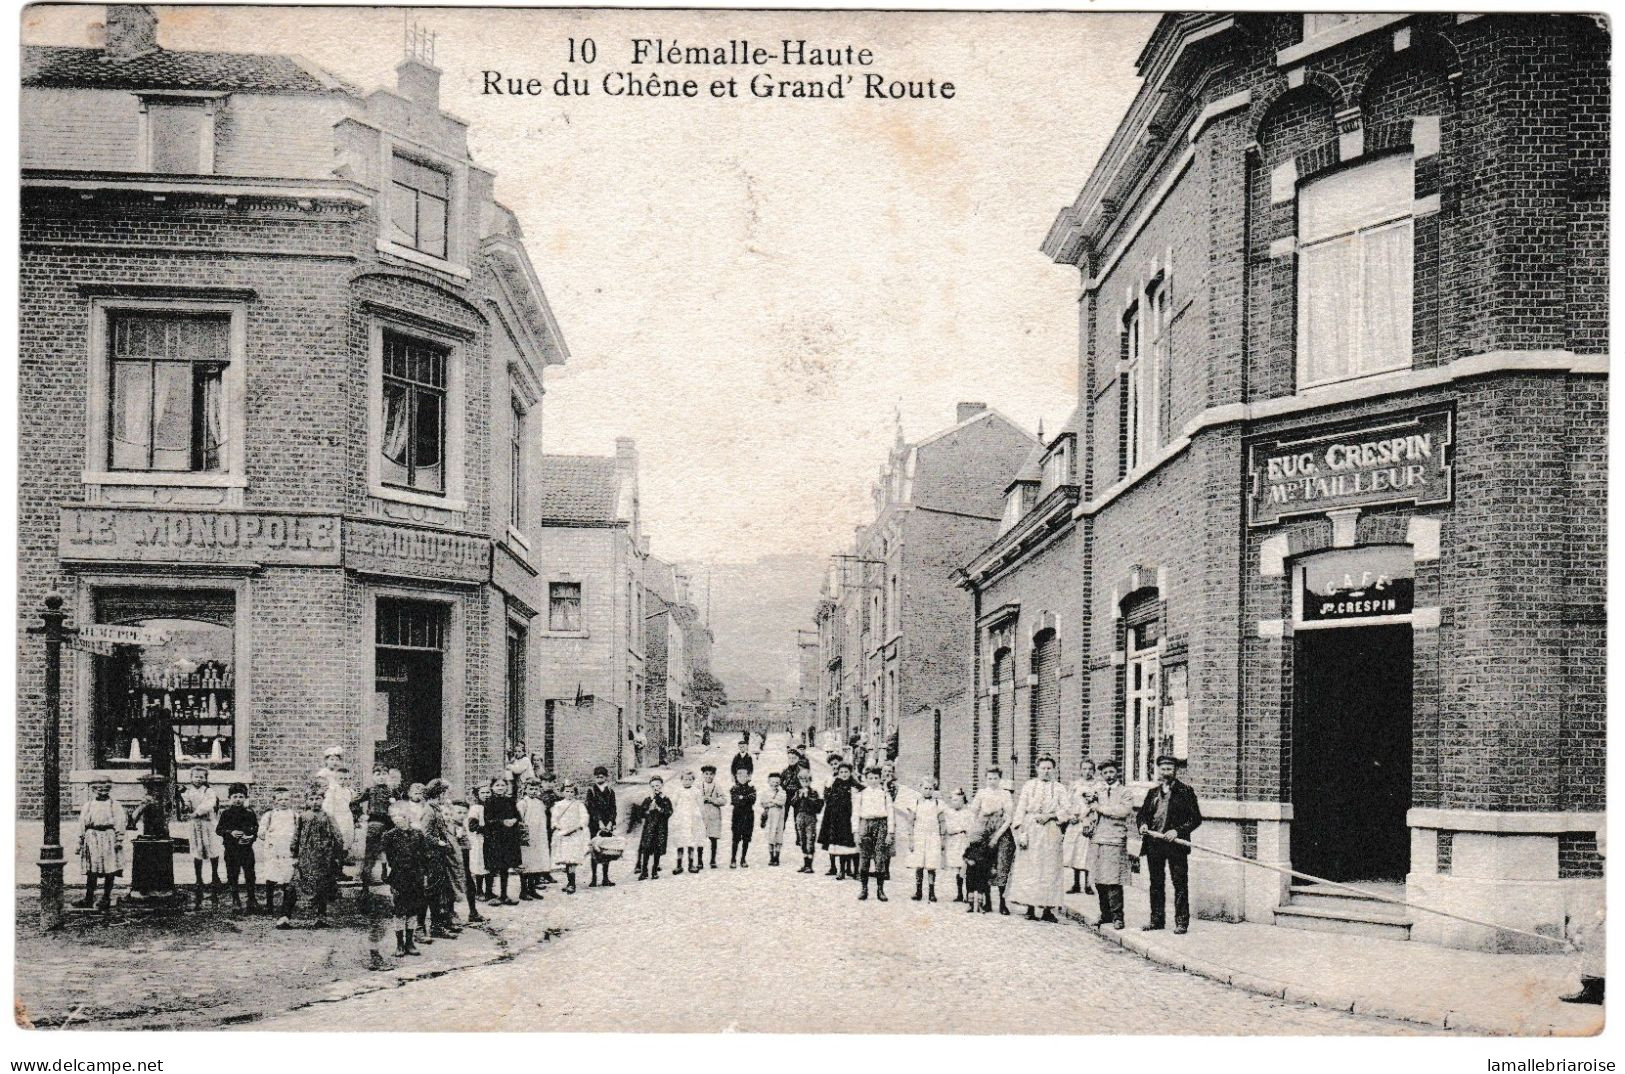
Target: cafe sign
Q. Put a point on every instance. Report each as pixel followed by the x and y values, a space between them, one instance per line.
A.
pixel 1405 460
pixel 1357 583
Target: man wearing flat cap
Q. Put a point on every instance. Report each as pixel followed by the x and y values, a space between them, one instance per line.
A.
pixel 1169 812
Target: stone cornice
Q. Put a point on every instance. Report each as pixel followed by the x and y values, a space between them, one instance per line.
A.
pixel 1050 514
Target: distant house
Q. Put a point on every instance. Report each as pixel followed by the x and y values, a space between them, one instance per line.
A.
pixel 590 661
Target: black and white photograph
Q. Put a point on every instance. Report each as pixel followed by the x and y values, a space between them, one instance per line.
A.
pixel 811 524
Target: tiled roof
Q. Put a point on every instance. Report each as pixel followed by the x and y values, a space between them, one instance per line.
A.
pixel 163 69
pixel 577 488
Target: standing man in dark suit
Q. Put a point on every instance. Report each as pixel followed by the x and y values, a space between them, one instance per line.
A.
pixel 1169 810
pixel 743 761
pixel 601 817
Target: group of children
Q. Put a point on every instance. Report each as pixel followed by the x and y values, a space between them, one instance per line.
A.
pixel 689 820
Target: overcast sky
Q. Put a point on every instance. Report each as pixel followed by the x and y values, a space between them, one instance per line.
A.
pixel 751 288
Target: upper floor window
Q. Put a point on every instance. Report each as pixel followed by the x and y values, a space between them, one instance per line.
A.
pixel 414 417
pixel 516 465
pixel 1158 341
pixel 179 134
pixel 419 197
pixel 1354 272
pixel 564 606
pixel 1318 22
pixel 1057 468
pixel 167 385
pixel 1131 396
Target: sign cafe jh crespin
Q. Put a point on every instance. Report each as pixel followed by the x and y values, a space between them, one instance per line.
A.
pixel 1398 461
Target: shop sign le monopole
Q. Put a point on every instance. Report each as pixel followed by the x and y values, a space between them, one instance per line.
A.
pixel 1403 460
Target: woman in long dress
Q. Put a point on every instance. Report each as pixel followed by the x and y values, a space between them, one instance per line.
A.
pixel 569 835
pixel 1075 845
pixel 686 836
pixel 927 840
pixel 1045 805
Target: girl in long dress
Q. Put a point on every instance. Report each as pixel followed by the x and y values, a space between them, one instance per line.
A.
pixel 1042 809
pixel 501 840
pixel 1075 845
pixel 927 840
pixel 687 836
pixel 569 835
pixel 956 821
pixel 476 838
pixel 534 859
pixel 279 829
pixel 835 831
pixel 319 850
pixel 101 843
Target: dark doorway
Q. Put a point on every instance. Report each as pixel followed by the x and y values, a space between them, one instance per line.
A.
pixel 1351 753
pixel 410 669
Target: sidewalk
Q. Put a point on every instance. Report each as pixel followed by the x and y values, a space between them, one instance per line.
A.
pixel 140 969
pixel 1470 991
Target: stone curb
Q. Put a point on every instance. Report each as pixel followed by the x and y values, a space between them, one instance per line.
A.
pixel 1437 1017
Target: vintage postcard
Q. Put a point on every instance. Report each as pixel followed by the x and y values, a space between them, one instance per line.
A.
pixel 810 521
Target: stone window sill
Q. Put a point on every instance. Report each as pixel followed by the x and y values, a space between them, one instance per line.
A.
pixel 163 479
pixel 428 261
pixel 418 499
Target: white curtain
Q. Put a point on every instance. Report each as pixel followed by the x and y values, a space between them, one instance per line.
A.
pixel 1386 298
pixel 1328 309
pixel 132 412
pixel 171 417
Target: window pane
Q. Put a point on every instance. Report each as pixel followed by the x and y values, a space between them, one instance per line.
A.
pixel 1328 288
pixel 396 425
pixel 428 441
pixel 1386 317
pixel 1356 197
pixel 176 131
pixel 131 418
pixel 432 225
pixel 434 181
pixel 403 226
pixel 172 417
pixel 404 170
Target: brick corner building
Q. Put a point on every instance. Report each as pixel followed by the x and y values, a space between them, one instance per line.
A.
pixel 281 370
pixel 1343 476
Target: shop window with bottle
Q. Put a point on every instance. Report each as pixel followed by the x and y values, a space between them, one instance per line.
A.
pixel 178 694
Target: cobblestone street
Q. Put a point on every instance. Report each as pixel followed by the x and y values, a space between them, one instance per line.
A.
pixel 692 954
pixel 687 954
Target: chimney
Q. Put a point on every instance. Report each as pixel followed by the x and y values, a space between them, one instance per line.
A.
pixel 418 82
pixel 131 31
pixel 967 411
pixel 626 448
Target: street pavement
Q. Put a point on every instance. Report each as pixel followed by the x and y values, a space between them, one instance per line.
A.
pixel 773 950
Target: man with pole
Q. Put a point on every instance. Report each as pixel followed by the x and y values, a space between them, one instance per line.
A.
pixel 1169 812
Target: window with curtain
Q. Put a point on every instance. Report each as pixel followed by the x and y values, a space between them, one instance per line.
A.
pixel 516 684
pixel 564 606
pixel 516 465
pixel 1355 272
pixel 179 133
pixel 167 391
pixel 419 197
pixel 414 418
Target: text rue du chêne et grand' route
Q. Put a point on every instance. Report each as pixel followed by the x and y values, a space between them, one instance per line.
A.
pixel 822 72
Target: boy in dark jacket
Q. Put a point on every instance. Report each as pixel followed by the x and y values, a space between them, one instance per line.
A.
pixel 743 797
pixel 654 812
pixel 805 804
pixel 238 828
pixel 406 851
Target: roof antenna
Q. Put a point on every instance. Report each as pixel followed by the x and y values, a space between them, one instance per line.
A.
pixel 418 41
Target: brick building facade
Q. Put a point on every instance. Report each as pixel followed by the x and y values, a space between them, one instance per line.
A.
pixel 1343 483
pixel 281 367
pixel 893 652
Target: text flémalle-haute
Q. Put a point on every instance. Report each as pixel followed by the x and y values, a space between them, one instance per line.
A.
pixel 823 71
